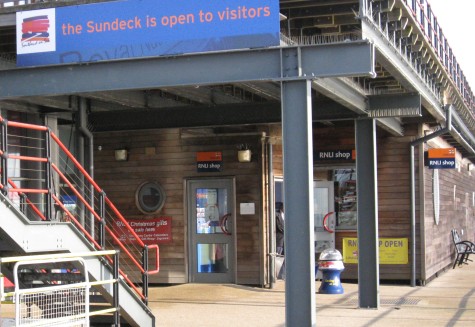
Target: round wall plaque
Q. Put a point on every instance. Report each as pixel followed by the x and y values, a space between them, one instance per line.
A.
pixel 150 197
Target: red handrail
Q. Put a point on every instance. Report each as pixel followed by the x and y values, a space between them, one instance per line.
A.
pixel 131 284
pixel 96 215
pixel 76 163
pixel 76 222
pixel 26 126
pixel 76 192
pixel 27 190
pixel 157 255
pixel 31 204
pixel 122 246
pixel 27 158
pixel 115 214
pixel 119 215
pixel 81 198
pixel 108 202
pixel 97 245
pixel 137 238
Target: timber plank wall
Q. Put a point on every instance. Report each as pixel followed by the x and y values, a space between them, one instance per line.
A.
pixel 456 189
pixel 169 158
pixel 393 187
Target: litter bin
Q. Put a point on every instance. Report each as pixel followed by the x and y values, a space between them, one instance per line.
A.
pixel 330 264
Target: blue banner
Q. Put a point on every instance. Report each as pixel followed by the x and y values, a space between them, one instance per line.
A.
pixel 143 28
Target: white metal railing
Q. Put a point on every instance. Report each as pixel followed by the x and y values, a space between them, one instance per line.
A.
pixel 421 13
pixel 55 304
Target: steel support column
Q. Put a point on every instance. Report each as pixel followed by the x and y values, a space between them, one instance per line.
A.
pixel 298 198
pixel 367 202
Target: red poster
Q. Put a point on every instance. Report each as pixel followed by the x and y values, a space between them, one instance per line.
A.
pixel 151 231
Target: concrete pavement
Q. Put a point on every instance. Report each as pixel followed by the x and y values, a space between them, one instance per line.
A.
pixel 448 300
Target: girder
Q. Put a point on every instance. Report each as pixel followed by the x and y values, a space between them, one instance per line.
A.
pixel 273 64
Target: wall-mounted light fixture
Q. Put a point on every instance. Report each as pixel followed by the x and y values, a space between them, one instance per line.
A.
pixel 121 155
pixel 244 153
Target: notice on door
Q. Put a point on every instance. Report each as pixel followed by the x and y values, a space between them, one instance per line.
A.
pixel 150 231
pixel 392 251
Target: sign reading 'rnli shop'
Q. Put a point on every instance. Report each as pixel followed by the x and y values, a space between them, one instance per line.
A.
pixel 209 162
pixel 335 155
pixel 141 28
pixel 441 158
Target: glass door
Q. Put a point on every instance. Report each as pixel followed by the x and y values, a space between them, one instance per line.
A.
pixel 211 221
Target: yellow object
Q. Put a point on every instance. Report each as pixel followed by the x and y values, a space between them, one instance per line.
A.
pixel 392 251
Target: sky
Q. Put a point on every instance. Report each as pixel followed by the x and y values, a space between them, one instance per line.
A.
pixel 457 20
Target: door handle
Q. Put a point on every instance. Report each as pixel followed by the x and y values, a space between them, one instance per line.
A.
pixel 223 223
pixel 325 222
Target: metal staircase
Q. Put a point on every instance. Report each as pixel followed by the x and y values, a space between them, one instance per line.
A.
pixel 50 204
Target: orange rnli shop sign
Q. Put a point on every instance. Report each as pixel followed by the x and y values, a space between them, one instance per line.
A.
pixel 207 162
pixel 150 231
pixel 441 158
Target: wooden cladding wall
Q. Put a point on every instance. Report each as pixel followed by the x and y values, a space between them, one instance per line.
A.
pixel 456 189
pixel 394 197
pixel 393 186
pixel 169 158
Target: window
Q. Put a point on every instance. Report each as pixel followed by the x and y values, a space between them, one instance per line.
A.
pixel 150 197
pixel 345 198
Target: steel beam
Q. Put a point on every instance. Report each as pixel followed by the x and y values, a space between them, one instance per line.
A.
pixel 395 105
pixel 367 190
pixel 201 116
pixel 274 64
pixel 340 91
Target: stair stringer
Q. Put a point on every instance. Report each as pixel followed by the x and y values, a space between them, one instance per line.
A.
pixel 41 236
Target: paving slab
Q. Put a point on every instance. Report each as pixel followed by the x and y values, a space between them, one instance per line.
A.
pixel 448 300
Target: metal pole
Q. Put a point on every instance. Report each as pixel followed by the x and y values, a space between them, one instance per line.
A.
pixel 116 289
pixel 145 274
pixel 270 182
pixel 85 133
pixel 299 236
pixel 49 177
pixel 367 190
pixel 4 160
pixel 102 226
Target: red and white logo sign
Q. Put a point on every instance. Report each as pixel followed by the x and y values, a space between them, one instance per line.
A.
pixel 36 31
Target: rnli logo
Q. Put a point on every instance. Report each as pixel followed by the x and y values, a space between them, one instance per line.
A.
pixel 36 31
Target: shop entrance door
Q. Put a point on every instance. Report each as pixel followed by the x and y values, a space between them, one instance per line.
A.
pixel 211 221
pixel 324 215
